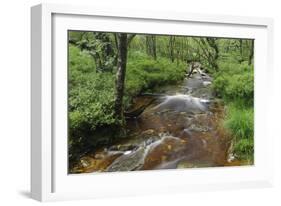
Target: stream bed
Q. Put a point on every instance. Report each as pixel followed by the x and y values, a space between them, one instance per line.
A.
pixel 181 128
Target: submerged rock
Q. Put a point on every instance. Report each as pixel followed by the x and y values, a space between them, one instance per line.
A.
pixel 148 132
pixel 186 164
pixel 198 128
pixel 123 147
pixel 183 165
pixel 85 162
pixel 128 162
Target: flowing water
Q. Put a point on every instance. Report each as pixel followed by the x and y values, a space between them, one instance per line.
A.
pixel 182 128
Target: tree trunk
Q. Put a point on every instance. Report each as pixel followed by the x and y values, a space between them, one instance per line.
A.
pixel 153 41
pixel 116 46
pixel 251 53
pixel 130 38
pixel 147 45
pixel 191 68
pixel 241 48
pixel 171 48
pixel 120 76
pixel 151 46
pixel 213 44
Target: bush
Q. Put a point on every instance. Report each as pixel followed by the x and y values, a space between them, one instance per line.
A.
pixel 93 98
pixel 235 82
pixel 144 73
pixel 80 61
pixel 90 103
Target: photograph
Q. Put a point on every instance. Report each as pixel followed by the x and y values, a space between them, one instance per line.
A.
pixel 139 102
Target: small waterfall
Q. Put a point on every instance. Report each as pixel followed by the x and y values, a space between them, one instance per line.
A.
pixel 183 103
pixel 130 160
pixel 163 137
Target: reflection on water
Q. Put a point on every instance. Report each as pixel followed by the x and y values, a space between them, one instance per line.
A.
pixel 180 129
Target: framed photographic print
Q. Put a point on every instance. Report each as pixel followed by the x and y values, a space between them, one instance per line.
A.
pixel 137 102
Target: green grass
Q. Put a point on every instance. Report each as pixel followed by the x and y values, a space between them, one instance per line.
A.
pixel 240 122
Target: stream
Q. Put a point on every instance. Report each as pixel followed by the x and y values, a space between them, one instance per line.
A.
pixel 181 128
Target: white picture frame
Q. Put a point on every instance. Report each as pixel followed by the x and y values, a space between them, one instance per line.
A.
pixel 49 178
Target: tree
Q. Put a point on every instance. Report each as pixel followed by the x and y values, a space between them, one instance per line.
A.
pixel 151 46
pixel 241 49
pixel 251 55
pixel 123 42
pixel 153 41
pixel 99 46
pixel 172 40
pixel 206 51
pixel 213 44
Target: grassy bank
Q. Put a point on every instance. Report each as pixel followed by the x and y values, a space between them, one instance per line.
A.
pixel 240 121
pixel 234 83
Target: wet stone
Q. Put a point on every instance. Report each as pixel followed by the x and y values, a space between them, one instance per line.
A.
pixel 128 162
pixel 148 132
pixel 123 147
pixel 198 128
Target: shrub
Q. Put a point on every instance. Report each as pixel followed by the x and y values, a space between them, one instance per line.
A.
pixel 144 73
pixel 90 102
pixel 235 81
pixel 80 61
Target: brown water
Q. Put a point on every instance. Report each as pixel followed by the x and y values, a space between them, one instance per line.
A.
pixel 182 128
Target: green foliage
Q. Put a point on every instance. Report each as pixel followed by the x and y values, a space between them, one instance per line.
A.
pixel 91 94
pixel 90 101
pixel 80 61
pixel 93 98
pixel 235 81
pixel 144 73
pixel 98 45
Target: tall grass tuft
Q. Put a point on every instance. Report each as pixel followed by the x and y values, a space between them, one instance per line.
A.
pixel 240 121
